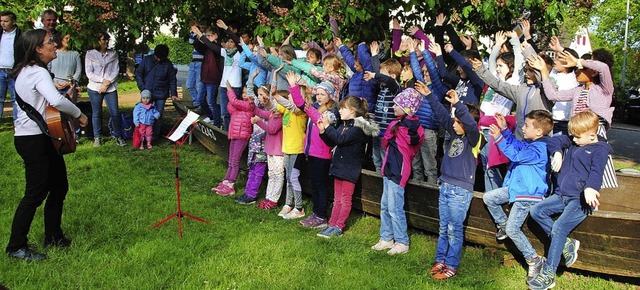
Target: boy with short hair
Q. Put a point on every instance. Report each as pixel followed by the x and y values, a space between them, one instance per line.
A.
pixel 388 78
pixel 580 175
pixel 525 183
pixel 458 176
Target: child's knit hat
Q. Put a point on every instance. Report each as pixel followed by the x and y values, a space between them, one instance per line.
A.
pixel 327 87
pixel 145 94
pixel 409 100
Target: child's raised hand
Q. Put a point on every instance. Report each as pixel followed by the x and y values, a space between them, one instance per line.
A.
pixel 591 197
pixel 448 47
pixel 502 122
pixel 404 45
pixel 321 125
pixel 555 45
pixel 292 78
pixel 495 131
pixel 422 88
pixel 368 75
pixel 435 48
pixel 526 28
pixel 556 161
pixel 279 68
pixel 476 63
pixel 420 45
pixel 337 41
pixel 228 86
pixel 413 29
pixel 452 97
pixel 536 62
pixel 259 39
pixel 375 48
pixel 255 73
pixel 255 119
pixel 568 59
pixel 395 24
pixel 221 24
pixel 262 51
pixel 440 19
pixel 501 38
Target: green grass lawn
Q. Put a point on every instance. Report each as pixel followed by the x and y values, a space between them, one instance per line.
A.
pixel 117 194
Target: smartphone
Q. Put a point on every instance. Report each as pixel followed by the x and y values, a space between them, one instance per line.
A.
pixel 518 29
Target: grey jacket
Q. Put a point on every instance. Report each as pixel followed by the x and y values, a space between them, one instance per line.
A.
pixel 527 98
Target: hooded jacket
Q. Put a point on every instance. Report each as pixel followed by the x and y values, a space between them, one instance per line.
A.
pixel 241 111
pixel 527 175
pixel 349 139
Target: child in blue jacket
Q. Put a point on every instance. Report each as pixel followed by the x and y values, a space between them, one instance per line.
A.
pixel 525 183
pixel 457 177
pixel 144 115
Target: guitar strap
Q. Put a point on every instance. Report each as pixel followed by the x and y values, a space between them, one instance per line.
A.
pixel 33 115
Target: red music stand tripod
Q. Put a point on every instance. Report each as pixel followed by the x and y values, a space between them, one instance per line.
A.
pixel 179 212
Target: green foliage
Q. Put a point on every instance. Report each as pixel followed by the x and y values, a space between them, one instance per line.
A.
pixel 180 51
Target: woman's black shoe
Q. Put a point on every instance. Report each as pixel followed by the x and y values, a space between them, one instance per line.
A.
pixel 27 254
pixel 57 242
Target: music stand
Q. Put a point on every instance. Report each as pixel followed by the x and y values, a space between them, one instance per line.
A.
pixel 178 135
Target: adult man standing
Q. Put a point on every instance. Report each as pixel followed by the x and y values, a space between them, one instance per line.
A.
pixel 157 74
pixel 50 21
pixel 10 33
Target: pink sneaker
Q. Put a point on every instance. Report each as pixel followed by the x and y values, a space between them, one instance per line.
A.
pixel 226 189
pixel 219 186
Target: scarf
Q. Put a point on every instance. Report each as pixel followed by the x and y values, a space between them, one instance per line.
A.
pixel 228 61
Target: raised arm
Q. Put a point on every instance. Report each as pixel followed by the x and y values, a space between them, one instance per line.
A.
pixel 437 86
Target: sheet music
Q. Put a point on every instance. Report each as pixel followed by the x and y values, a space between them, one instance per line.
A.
pixel 183 128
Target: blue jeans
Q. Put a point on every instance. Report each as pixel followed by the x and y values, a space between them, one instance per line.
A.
pixel 209 92
pixel 513 224
pixel 157 124
pixel 453 203
pixel 377 153
pixel 573 213
pixel 7 83
pixel 96 111
pixel 393 221
pixel 492 177
pixel 425 164
pixel 194 82
pixel 224 100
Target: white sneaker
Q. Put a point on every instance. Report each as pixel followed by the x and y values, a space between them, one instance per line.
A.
pixel 382 245
pixel 285 210
pixel 398 248
pixel 294 214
